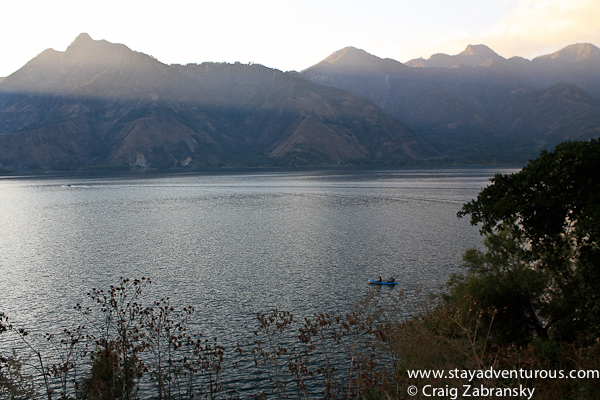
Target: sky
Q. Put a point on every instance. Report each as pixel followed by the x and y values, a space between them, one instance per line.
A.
pixel 294 35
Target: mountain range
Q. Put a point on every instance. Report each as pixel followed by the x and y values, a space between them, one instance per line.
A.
pixel 101 103
pixel 477 104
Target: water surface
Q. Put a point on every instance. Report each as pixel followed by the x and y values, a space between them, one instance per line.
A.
pixel 231 244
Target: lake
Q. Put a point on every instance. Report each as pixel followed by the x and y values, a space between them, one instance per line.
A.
pixel 231 244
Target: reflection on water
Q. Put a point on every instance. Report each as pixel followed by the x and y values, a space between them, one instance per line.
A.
pixel 230 244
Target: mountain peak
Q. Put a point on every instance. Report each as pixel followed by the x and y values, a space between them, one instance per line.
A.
pixel 350 55
pixel 79 66
pixel 83 38
pixel 479 50
pixel 574 53
pixel 99 54
pixel 85 43
pixel 82 45
pixel 472 56
pixel 351 60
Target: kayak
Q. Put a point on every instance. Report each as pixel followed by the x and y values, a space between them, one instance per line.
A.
pixel 382 282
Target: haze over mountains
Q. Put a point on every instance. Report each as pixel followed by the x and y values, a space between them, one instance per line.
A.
pixel 478 104
pixel 101 103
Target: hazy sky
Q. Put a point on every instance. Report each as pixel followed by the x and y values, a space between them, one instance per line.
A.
pixel 293 35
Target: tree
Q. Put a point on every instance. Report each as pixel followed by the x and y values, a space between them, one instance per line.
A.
pixel 502 289
pixel 551 211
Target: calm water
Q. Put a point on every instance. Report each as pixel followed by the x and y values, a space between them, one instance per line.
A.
pixel 230 244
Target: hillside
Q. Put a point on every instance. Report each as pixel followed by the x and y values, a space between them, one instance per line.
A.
pixel 477 104
pixel 102 103
pixel 99 103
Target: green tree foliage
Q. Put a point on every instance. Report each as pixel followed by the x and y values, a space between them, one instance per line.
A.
pixel 501 285
pixel 542 265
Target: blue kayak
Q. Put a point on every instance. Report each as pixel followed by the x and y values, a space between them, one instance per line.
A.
pixel 382 282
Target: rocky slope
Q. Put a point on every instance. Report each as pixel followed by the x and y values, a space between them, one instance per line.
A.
pixel 477 104
pixel 101 103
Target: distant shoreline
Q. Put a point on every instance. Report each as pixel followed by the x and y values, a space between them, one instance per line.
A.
pixel 234 170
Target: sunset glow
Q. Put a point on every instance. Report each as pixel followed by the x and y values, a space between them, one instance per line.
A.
pixel 293 35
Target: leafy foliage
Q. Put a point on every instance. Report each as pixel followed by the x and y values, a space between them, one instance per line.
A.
pixel 546 217
pixel 501 284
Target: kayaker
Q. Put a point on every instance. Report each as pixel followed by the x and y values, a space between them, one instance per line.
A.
pixel 391 280
pixel 378 279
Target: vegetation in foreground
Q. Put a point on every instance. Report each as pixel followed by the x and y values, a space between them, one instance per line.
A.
pixel 528 302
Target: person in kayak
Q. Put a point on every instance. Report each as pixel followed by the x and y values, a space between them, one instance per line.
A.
pixel 391 280
pixel 378 279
